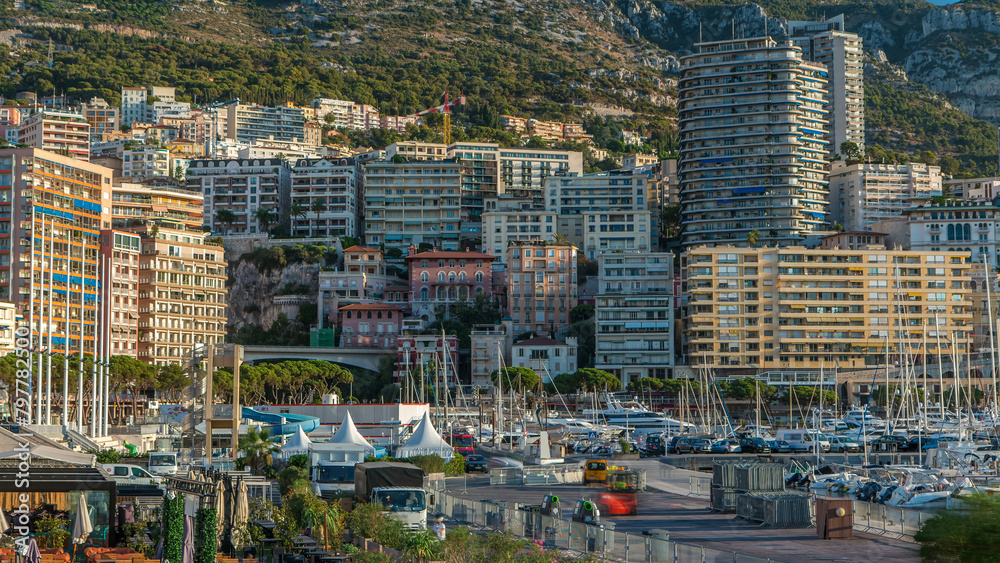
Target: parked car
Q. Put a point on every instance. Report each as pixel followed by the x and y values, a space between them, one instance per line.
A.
pixel 780 446
pixel 726 447
pixel 754 446
pixel 842 444
pixel 890 442
pixel 931 443
pixel 693 446
pixel 653 447
pixel 476 463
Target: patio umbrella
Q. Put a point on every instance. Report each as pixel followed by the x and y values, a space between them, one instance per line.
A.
pixel 82 526
pixel 33 555
pixel 220 503
pixel 241 512
pixel 187 553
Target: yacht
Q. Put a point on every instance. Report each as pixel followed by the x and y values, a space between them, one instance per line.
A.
pixel 635 417
pixel 864 419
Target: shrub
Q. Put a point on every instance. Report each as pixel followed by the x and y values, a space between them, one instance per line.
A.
pixel 429 463
pixel 455 465
pixel 288 477
pixel 299 460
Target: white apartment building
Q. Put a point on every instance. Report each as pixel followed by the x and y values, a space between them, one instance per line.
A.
pixel 827 43
pixel 752 132
pixel 60 132
pixel 146 161
pixel 862 194
pixel 546 356
pixel 329 189
pixel 248 123
pixel 8 323
pixel 133 105
pixel 242 186
pixel 346 114
pixel 971 227
pixel 634 315
pixel 509 220
pixel 604 212
pixel 413 202
pixel 523 170
pixel 488 344
pixel 169 109
pixel 973 188
pixel 416 150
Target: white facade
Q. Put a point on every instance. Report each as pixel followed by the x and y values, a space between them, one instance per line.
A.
pixel 242 186
pixel 514 219
pixel 488 343
pixel 973 188
pixel 145 162
pixel 547 357
pixel 346 114
pixel 8 322
pixel 862 195
pixel 412 203
pixel 133 105
pixel 634 315
pixel 161 109
pixel 604 212
pixel 523 170
pixel 841 52
pixel 335 185
pixel 972 227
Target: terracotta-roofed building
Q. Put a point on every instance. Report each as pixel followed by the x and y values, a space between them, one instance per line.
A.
pixel 546 356
pixel 369 325
pixel 441 278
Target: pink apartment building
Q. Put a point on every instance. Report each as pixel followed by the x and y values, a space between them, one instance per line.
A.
pixel 370 325
pixel 441 278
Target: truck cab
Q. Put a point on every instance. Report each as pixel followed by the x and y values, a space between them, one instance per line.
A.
pixel 406 504
pixel 331 478
pixel 162 463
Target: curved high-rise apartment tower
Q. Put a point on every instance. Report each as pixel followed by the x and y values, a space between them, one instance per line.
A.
pixel 753 142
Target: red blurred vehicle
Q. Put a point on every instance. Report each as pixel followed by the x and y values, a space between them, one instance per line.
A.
pixel 621 494
pixel 463 444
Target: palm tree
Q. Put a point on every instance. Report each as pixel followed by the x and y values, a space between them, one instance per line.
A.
pixel 258 448
pixel 226 217
pixel 560 238
pixel 318 206
pixel 752 237
pixel 296 211
pixel 264 218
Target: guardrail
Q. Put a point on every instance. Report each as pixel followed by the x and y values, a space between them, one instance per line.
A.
pixel 534 476
pixel 903 523
pixel 700 486
pixel 598 540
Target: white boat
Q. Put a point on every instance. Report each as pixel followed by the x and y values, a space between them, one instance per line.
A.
pixel 634 416
pixel 864 419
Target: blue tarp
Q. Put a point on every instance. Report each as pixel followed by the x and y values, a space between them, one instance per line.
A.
pixel 749 190
pixel 89 206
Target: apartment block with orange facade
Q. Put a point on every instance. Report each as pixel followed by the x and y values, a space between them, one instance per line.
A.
pixel 60 132
pixel 53 209
pixel 182 293
pixel 542 286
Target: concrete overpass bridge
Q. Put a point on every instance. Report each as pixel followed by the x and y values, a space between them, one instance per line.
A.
pixel 365 358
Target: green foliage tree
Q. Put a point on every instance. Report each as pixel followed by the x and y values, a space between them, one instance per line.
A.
pixel 258 447
pixel 318 207
pixel 226 217
pixel 645 384
pixel 296 211
pixel 171 379
pixel 970 534
pixel 850 150
pixel 746 389
pixel 522 379
pixel 581 313
pixel 264 216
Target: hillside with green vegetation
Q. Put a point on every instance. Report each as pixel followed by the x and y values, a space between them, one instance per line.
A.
pixel 610 65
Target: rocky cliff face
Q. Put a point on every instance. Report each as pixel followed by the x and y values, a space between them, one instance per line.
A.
pixel 251 296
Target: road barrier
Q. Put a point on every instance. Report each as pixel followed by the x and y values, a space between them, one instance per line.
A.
pixel 598 540
pixel 902 523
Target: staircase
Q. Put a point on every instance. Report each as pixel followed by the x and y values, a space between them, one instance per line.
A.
pixel 81 442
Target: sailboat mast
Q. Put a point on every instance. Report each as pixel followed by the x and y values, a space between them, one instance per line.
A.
pixel 993 343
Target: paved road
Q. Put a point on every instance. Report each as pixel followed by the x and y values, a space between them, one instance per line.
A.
pixel 689 520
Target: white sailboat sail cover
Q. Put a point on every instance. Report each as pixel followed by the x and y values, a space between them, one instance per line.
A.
pixel 348 434
pixel 297 444
pixel 426 441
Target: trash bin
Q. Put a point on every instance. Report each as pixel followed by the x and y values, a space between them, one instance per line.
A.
pixel 834 518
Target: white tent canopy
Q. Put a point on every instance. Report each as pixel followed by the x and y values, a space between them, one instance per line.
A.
pixel 348 434
pixel 426 441
pixel 297 444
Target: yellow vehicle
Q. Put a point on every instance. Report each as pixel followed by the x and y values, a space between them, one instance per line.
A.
pixel 595 471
